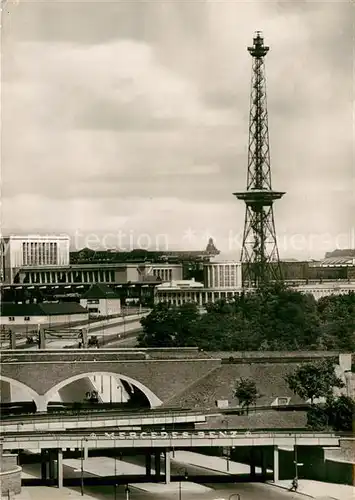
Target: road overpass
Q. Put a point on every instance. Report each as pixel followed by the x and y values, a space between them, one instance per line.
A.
pixel 99 420
pixel 164 439
pixel 52 445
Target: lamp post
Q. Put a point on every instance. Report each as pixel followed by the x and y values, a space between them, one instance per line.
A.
pixel 82 467
pixel 185 477
pixel 115 474
pixel 228 449
pixel 127 491
pixel 82 470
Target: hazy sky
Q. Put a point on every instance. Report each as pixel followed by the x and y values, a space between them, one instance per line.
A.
pixel 130 120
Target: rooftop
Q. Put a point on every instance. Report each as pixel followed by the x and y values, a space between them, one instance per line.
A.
pixel 44 309
pixel 100 291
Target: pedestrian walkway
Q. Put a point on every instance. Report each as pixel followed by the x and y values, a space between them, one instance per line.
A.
pixel 46 493
pixel 320 490
pixel 216 464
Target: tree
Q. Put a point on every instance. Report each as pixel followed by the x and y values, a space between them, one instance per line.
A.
pixel 246 392
pixel 169 326
pixel 341 413
pixel 337 320
pixel 314 380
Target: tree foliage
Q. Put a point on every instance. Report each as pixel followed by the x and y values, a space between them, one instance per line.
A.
pixel 169 326
pixel 272 318
pixel 246 392
pixel 318 380
pixel 314 380
pixel 341 413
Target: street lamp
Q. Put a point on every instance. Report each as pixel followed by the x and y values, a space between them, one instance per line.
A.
pixel 127 491
pixel 82 467
pixel 115 473
pixel 185 477
pixel 225 421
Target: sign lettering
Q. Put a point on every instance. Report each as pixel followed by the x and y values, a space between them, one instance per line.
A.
pixel 172 435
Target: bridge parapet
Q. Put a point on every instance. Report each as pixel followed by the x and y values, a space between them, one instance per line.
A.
pixel 165 439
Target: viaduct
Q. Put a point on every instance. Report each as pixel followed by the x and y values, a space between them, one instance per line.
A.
pixel 175 377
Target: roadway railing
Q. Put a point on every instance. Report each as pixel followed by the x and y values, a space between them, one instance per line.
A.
pixel 98 414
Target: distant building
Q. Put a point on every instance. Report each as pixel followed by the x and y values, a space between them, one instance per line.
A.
pixel 222 281
pixel 19 252
pixel 319 290
pixel 46 314
pixel 98 273
pixel 101 300
pixel 88 256
pixel 225 274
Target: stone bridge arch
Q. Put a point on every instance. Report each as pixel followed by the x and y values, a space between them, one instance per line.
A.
pixel 37 398
pixel 152 398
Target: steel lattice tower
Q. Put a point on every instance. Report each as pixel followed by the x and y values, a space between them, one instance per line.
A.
pixel 259 256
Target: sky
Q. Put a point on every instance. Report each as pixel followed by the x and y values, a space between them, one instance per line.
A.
pixel 125 123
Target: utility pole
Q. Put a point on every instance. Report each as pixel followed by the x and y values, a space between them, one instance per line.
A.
pixel 259 256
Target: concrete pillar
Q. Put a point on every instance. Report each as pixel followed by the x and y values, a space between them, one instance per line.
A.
pixel 167 467
pixel 44 465
pixel 51 468
pixel 263 463
pixel 157 463
pixel 5 391
pixel 276 464
pixel 42 339
pixel 85 337
pixel 252 462
pixel 60 468
pixel 148 464
pixel 12 340
pixel 41 404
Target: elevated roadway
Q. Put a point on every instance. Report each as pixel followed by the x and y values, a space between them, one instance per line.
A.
pixel 98 420
pixel 163 439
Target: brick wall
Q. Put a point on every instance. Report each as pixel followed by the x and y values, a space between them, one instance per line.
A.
pixel 8 462
pixel 164 378
pixel 10 481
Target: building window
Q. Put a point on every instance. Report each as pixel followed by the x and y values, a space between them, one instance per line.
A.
pixel 27 318
pixel 282 401
pixel 11 318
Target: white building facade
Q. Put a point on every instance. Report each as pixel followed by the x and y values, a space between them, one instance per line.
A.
pixel 226 274
pixel 32 251
pixel 319 290
pixel 222 281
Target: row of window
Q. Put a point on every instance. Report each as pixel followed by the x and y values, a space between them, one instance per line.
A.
pixel 163 274
pixel 70 277
pixel 39 253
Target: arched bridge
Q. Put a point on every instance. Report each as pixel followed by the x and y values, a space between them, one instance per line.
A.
pixel 166 377
pixel 44 373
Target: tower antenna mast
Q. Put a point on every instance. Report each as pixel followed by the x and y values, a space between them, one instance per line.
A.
pixel 259 256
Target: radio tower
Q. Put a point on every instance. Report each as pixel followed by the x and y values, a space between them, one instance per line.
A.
pixel 260 256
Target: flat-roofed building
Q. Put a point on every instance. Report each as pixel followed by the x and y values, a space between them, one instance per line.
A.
pixel 42 314
pixel 319 290
pixel 223 274
pixel 101 300
pixel 21 252
pixel 180 292
pixel 99 273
